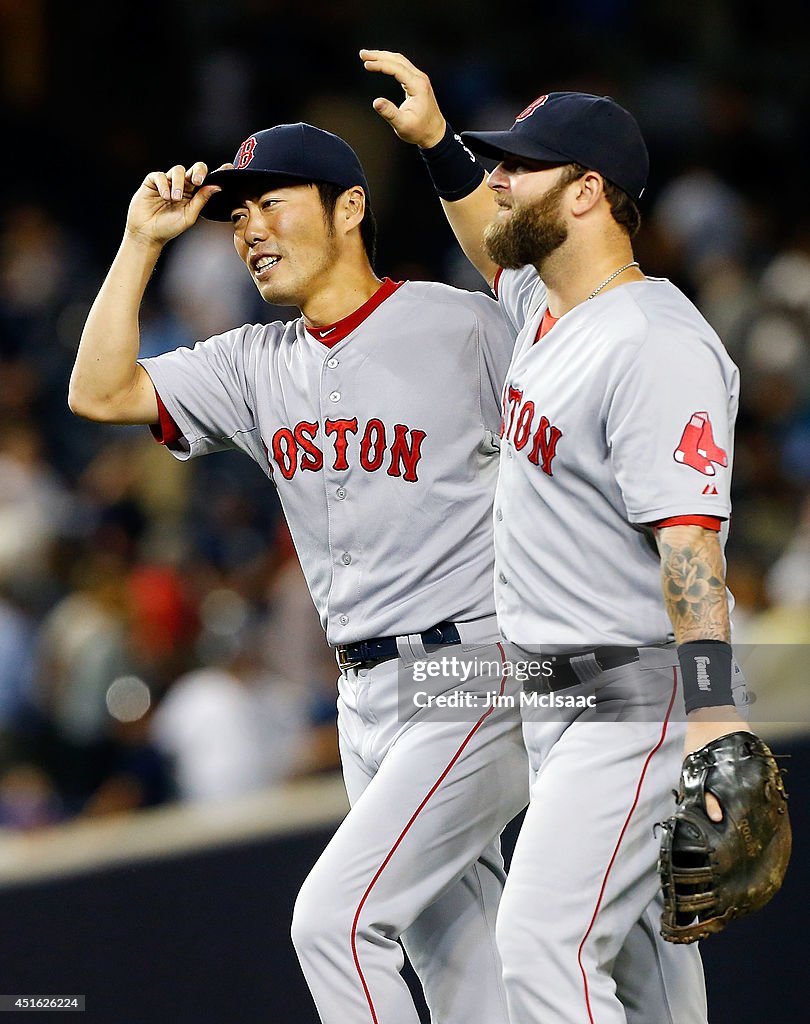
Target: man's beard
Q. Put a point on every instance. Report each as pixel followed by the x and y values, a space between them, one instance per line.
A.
pixel 530 235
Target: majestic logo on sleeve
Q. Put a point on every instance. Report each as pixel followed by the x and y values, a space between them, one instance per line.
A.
pixel 295 448
pixel 520 426
pixel 697 448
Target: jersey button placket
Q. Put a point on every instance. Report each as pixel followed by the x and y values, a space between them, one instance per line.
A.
pixel 340 493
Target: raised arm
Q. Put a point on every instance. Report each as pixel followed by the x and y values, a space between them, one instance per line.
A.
pixel 419 121
pixel 107 383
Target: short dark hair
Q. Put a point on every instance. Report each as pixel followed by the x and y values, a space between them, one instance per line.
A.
pixel 330 194
pixel 622 206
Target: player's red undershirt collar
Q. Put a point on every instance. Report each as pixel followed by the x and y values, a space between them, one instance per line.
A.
pixel 546 324
pixel 331 334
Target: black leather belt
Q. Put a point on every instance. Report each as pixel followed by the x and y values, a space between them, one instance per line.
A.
pixel 563 670
pixel 368 653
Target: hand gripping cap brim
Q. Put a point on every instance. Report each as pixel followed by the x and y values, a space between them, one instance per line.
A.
pixel 289 154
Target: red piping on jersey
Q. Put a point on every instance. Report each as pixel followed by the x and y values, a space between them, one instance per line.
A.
pixel 707 522
pixel 405 831
pixel 165 431
pixel 331 334
pixel 497 280
pixel 649 758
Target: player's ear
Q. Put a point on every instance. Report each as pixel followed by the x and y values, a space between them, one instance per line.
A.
pixel 351 208
pixel 588 190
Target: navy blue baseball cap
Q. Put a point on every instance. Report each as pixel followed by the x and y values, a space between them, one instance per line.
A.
pixel 287 154
pixel 574 127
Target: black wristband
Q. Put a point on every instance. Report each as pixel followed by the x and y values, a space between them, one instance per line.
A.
pixel 452 167
pixel 706 672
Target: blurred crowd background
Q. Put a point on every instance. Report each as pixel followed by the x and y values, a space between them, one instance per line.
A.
pixel 157 641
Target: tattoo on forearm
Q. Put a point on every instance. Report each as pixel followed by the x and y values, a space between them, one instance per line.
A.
pixel 693 581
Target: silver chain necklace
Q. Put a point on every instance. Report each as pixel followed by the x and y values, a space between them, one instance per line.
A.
pixel 607 280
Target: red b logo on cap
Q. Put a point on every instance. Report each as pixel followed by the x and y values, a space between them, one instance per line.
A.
pixel 532 107
pixel 245 154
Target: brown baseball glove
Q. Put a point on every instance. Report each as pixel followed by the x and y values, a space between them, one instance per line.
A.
pixel 712 872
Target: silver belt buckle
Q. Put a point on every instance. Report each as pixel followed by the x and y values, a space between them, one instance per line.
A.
pixel 343 659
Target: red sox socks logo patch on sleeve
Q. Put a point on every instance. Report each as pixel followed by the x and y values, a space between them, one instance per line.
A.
pixel 697 448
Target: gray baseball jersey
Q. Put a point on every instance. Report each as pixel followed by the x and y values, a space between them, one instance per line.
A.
pixel 616 417
pixel 386 479
pixel 622 415
pixel 381 435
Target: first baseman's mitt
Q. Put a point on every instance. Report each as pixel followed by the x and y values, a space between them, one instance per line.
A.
pixel 713 872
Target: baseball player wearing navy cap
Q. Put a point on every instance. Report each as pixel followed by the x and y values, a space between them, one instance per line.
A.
pixel 574 127
pixel 291 153
pixel 375 414
pixel 611 513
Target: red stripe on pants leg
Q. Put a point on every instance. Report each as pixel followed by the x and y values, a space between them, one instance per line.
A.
pixel 405 831
pixel 649 758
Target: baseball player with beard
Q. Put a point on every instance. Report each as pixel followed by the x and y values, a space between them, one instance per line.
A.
pixel 610 519
pixel 375 414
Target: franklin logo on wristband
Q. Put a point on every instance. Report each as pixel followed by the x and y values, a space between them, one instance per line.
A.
pixel 706 667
